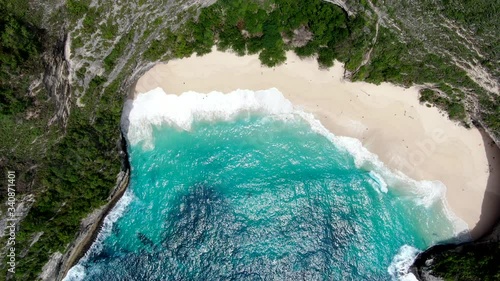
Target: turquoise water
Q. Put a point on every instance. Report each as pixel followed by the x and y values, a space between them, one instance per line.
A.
pixel 257 198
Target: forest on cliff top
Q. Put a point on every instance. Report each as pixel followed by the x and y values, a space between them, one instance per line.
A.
pixel 67 163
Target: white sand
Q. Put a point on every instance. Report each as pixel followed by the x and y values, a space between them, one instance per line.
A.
pixel 407 136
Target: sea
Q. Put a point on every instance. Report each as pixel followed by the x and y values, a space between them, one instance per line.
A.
pixel 245 186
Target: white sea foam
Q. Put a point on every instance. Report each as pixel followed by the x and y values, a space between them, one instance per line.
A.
pixel 109 220
pixel 77 272
pixel 379 181
pixel 156 107
pixel 399 269
pixel 424 193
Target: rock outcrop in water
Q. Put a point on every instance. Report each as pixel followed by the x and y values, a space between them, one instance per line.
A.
pixel 98 46
pixel 59 263
pixel 476 260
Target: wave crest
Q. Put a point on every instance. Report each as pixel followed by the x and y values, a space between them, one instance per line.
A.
pixel 157 108
pixel 401 263
pixel 77 272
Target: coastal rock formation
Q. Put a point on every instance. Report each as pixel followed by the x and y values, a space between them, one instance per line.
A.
pixel 476 260
pixel 59 264
pixel 57 79
pixel 348 6
pixel 98 49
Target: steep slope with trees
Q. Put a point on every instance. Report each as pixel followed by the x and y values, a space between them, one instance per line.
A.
pixel 66 68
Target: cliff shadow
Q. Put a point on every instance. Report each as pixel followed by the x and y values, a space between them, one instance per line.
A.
pixel 490 208
pixel 128 105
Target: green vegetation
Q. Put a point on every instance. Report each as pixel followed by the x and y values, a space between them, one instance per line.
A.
pixel 20 50
pixel 75 167
pixel 110 60
pixel 109 30
pixel 471 263
pixel 77 9
pixel 455 109
pixel 82 171
pixel 249 27
pixel 392 61
pixel 20 46
pixel 70 176
pixel 471 29
pixel 478 13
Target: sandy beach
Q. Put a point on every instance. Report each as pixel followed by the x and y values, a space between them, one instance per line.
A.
pixel 416 139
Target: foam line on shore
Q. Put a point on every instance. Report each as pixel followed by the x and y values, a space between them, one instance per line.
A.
pixel 77 272
pixel 406 135
pixel 399 269
pixel 156 108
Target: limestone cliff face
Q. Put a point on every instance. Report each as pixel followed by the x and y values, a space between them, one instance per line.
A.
pixel 82 54
pixel 110 47
pixel 454 259
pixel 59 263
pixel 57 78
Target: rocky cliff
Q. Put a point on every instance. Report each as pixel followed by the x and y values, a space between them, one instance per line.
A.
pixel 476 260
pixel 63 136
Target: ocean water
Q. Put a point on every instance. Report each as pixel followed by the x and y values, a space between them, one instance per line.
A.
pixel 245 187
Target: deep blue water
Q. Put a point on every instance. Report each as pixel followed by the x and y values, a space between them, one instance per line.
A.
pixel 257 198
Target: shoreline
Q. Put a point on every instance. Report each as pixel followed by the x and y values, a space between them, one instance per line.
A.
pixel 389 120
pixel 91 225
pixel 89 235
